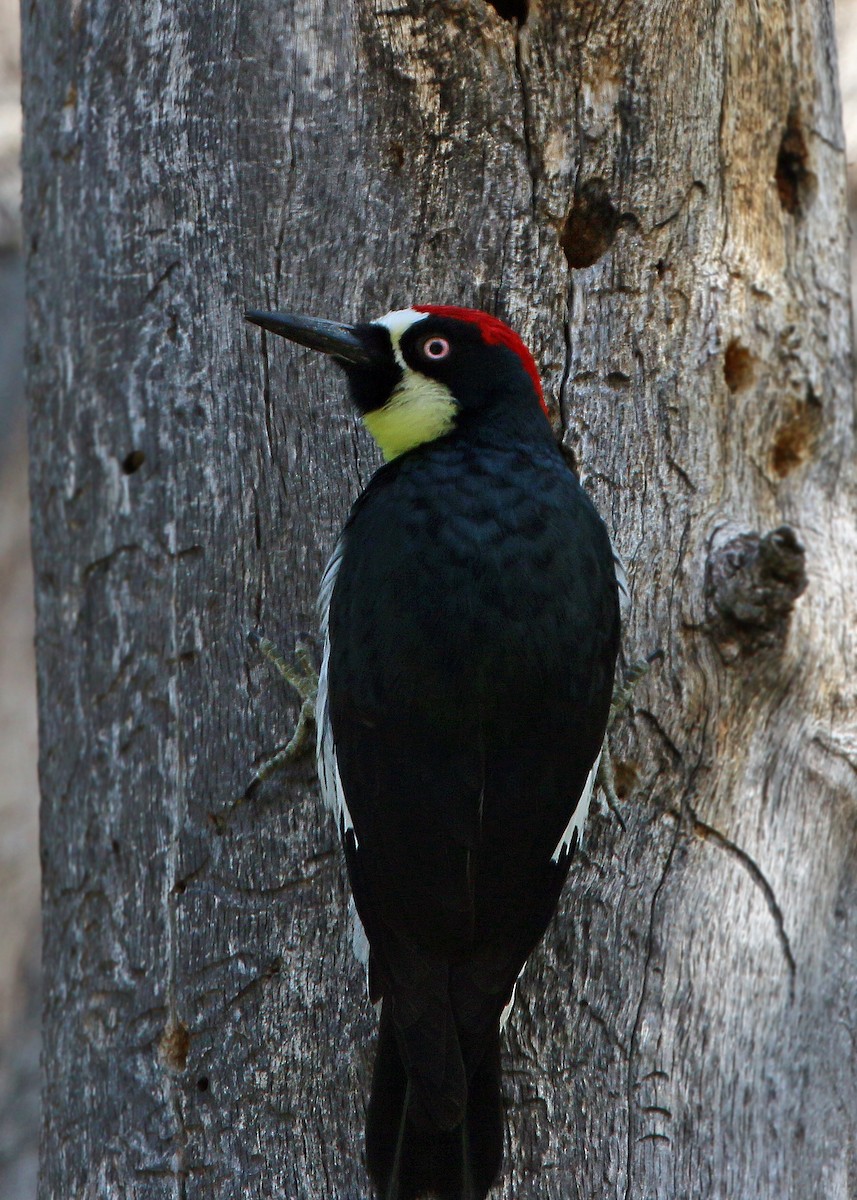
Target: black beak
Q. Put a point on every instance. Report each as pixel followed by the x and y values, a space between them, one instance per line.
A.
pixel 330 337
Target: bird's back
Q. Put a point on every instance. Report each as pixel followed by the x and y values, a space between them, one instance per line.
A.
pixel 473 631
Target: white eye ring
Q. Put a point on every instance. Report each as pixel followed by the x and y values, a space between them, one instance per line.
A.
pixel 435 348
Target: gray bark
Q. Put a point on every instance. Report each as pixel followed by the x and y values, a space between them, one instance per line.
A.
pixel 654 196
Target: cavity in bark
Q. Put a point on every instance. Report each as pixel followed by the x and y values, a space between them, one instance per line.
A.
pixel 796 438
pixel 795 182
pixel 738 367
pixel 174 1046
pixel 590 228
pixel 512 10
pixel 133 461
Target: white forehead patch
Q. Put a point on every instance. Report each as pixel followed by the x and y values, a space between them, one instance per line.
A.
pixel 419 409
pixel 400 320
pixel 397 323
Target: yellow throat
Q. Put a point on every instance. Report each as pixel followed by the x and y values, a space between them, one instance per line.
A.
pixel 419 410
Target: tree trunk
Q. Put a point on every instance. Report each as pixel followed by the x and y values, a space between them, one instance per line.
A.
pixel 654 196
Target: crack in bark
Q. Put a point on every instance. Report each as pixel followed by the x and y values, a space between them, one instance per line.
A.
pixel 107 560
pixel 235 893
pixel 175 771
pixel 564 414
pixel 160 280
pixel 654 1137
pixel 629 1099
pixel 266 392
pixel 708 833
pixel 661 732
pixel 606 1029
pixel 841 744
pixel 527 121
pixel 658 1110
pixel 259 983
pixel 282 227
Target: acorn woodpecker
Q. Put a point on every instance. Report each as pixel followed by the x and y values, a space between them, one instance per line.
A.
pixel 470 614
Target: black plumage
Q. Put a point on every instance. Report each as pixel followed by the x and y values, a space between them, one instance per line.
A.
pixel 472 633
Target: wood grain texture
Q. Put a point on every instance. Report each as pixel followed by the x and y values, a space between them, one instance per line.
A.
pixel 689 1027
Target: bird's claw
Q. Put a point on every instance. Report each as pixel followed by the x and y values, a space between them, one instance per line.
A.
pixel 623 693
pixel 303 677
pixel 605 785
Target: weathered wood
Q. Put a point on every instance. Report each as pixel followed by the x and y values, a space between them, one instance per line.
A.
pixel 654 196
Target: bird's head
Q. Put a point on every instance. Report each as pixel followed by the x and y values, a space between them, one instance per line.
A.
pixel 418 373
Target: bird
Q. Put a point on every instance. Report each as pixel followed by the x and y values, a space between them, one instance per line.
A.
pixel 470 617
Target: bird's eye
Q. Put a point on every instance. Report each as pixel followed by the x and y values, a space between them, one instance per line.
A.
pixel 435 348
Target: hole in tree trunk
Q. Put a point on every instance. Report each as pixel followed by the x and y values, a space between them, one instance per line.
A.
pixel 795 182
pixel 626 774
pixel 738 367
pixel 796 438
pixel 512 10
pixel 174 1046
pixel 590 228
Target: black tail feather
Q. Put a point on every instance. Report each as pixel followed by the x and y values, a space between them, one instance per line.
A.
pixel 485 1124
pixel 410 1158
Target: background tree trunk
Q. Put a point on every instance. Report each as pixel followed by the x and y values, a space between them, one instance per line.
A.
pixel 654 196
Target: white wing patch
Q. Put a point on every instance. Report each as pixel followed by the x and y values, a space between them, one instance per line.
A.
pixel 622 582
pixel 328 769
pixel 580 815
pixel 507 1011
pixel 578 818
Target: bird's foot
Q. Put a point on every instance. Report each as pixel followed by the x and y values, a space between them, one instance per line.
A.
pixel 605 785
pixel 623 694
pixel 303 677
